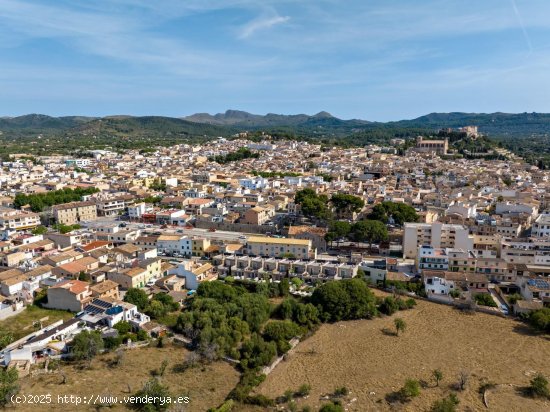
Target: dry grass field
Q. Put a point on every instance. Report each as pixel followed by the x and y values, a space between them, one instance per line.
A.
pixel 207 387
pixel 366 357
pixel 22 324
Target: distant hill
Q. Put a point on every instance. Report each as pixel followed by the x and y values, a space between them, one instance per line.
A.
pixel 41 122
pixel 244 119
pixel 527 134
pixel 302 125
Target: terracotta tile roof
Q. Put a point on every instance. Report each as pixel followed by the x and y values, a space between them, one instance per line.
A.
pixel 74 286
pixel 95 245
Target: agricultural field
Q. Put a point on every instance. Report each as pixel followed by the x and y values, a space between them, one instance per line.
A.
pixel 372 362
pixel 207 386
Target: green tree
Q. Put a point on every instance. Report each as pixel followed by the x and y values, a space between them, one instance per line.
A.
pixel 138 297
pixel 513 298
pixel 256 352
pixel 485 299
pixel 371 231
pixel 344 300
pixel 156 309
pixel 400 325
pixel 347 204
pixel 8 384
pixel 540 319
pixel 400 212
pixel 152 390
pixel 339 229
pixel 86 345
pixel 40 230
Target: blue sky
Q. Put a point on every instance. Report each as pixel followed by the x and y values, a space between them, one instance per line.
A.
pixel 368 59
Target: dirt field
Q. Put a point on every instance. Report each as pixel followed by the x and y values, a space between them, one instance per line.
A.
pixel 366 357
pixel 206 387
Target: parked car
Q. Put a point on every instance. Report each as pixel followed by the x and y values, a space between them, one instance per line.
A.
pixel 212 229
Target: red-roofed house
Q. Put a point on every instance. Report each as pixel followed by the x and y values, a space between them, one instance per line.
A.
pixel 70 295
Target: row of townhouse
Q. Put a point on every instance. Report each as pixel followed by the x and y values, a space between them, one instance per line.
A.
pixel 248 267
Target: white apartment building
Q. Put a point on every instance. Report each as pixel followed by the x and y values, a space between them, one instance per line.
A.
pixel 534 252
pixel 174 244
pixel 436 235
pixel 541 227
pixel 138 210
pixel 432 258
pixel 253 183
pixel 17 219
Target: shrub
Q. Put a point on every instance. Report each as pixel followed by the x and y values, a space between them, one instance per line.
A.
pixel 538 386
pixel 446 405
pixel 411 389
pixel 331 407
pixel 303 390
pixel 341 391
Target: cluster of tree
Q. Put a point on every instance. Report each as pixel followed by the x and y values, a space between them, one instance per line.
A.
pixel 344 300
pixel 158 185
pixel 312 204
pixel 152 199
pixel 66 228
pixel 389 305
pixel 39 230
pixel 157 307
pixel 222 318
pixel 371 231
pixel 346 204
pixel 540 319
pixel 319 206
pixel 352 299
pixel 39 201
pixel 485 299
pixel 271 290
pixel 241 154
pixel 305 315
pixel 275 174
pixel 400 213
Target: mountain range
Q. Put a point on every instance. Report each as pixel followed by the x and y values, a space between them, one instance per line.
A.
pixel 322 124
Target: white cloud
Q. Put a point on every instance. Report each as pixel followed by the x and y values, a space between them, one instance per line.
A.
pixel 262 23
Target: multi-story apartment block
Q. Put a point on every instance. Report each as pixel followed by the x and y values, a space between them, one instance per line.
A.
pixel 111 207
pixel 432 258
pixel 12 219
pixel 436 235
pixel 274 247
pixel 75 212
pixel 527 252
pixel 461 260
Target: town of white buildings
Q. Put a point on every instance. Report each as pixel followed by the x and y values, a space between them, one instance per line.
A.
pixel 168 220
